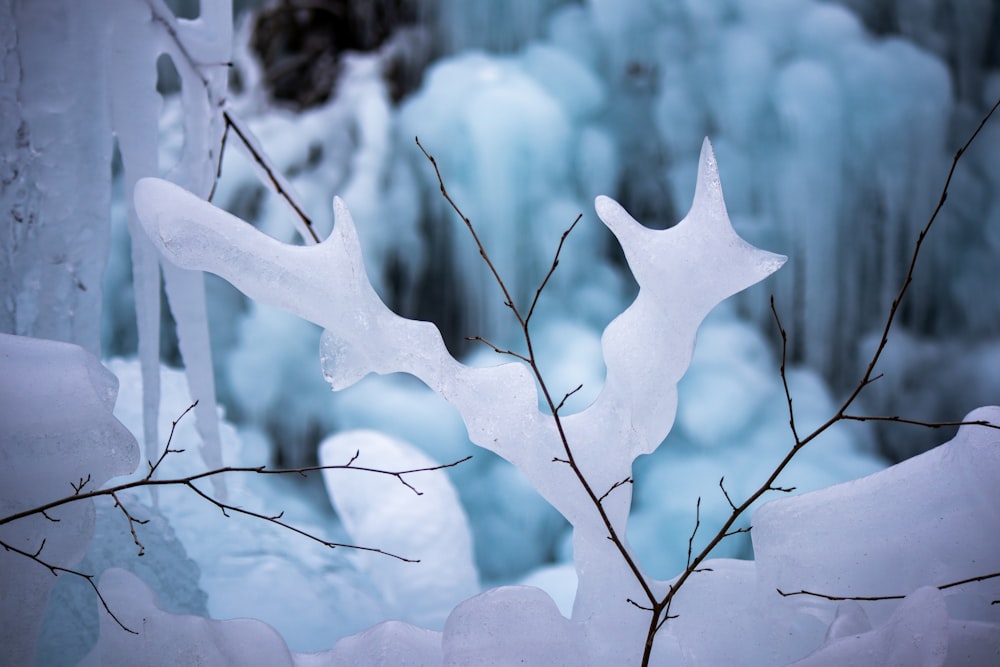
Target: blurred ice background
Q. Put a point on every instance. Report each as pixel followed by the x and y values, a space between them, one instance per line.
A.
pixel 834 124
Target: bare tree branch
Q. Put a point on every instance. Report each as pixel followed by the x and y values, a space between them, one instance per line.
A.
pixel 552 269
pixel 876 598
pixel 532 362
pixel 225 508
pixel 498 350
pixel 917 422
pixel 56 569
pixel 627 480
pixel 659 608
pixel 568 394
pixel 277 180
pixel 841 414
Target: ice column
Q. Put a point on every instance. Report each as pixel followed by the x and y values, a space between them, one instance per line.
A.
pixel 55 169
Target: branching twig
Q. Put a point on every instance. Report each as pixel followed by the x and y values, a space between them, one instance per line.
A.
pixel 278 182
pixel 841 414
pixel 658 607
pixel 132 521
pixel 225 508
pixel 697 525
pixel 498 350
pixel 56 569
pixel 552 269
pixel 166 448
pixel 566 397
pixel 627 480
pixel 530 359
pixel 78 487
pixel 162 15
pixel 186 481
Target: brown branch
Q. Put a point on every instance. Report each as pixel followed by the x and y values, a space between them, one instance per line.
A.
pixel 186 481
pixel 566 397
pixel 162 15
pixel 166 448
pixel 132 521
pixel 627 480
pixel 552 269
pixel 917 422
pixel 56 569
pixel 218 164
pixel 841 414
pixel 225 508
pixel 498 350
pixel 281 187
pixel 784 375
pixel 508 300
pixel 78 487
pixel 532 362
pixel 876 598
pixel 660 608
pixel 697 524
pixel 726 493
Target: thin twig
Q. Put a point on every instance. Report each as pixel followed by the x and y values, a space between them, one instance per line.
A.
pixel 162 15
pixel 508 300
pixel 498 350
pixel 726 493
pixel 170 439
pixel 867 378
pixel 627 480
pixel 532 362
pixel 258 470
pixel 132 521
pixel 552 269
pixel 218 165
pixel 281 187
pixel 78 487
pixel 56 569
pixel 876 598
pixel 917 422
pixel 276 519
pixel 697 524
pixel 566 397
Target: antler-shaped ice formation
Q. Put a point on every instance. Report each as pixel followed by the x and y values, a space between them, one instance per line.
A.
pixel 683 273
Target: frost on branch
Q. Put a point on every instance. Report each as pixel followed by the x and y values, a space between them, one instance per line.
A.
pixel 683 272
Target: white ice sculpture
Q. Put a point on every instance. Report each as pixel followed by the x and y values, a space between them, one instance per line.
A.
pixel 683 272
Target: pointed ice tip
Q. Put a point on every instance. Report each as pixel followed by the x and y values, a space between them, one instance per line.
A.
pixel 343 221
pixel 708 166
pixel 775 261
pixel 604 203
pixel 613 214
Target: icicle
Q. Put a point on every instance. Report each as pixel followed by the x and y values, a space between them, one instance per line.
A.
pixel 135 109
pixel 200 50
